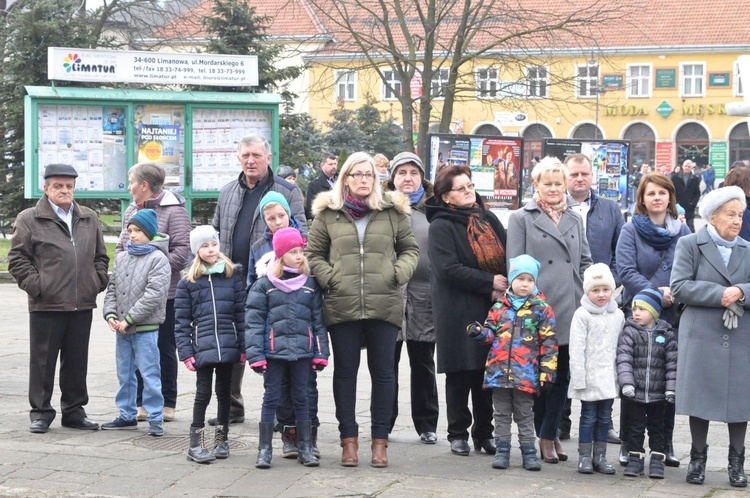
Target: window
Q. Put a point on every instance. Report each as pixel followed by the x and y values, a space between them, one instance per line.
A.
pixel 693 79
pixel 737 80
pixel 439 83
pixel 345 88
pixel 537 81
pixel 392 85
pixel 639 81
pixel 487 83
pixel 587 81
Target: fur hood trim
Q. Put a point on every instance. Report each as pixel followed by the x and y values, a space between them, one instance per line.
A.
pixel 394 199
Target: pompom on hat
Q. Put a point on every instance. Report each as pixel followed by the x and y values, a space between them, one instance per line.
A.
pixel 145 219
pixel 286 239
pixel 649 300
pixel 598 274
pixel 713 200
pixel 202 234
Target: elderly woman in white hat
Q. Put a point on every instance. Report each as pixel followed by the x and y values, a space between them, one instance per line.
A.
pixel 711 275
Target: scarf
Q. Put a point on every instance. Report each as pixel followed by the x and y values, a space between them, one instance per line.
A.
pixel 140 249
pixel 484 242
pixel 554 212
pixel 660 238
pixel 516 302
pixel 723 245
pixel 416 196
pixel 215 268
pixel 355 206
pixel 287 285
pixel 589 306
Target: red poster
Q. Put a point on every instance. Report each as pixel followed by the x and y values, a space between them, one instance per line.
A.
pixel 664 157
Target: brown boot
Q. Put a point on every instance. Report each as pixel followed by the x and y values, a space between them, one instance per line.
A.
pixel 349 457
pixel 379 453
pixel 561 455
pixel 547 449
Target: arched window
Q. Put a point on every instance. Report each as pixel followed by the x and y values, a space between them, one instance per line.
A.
pixel 488 130
pixel 587 131
pixel 642 143
pixel 739 143
pixel 692 143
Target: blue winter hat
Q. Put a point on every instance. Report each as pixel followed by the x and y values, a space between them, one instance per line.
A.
pixel 523 264
pixel 145 219
pixel 649 300
pixel 274 196
pixel 680 209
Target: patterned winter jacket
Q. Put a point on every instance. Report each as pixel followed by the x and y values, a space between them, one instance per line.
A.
pixel 524 346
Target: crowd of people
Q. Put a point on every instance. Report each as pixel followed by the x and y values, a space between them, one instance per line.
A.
pixel 570 302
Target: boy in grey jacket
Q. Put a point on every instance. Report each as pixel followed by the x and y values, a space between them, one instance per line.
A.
pixel 134 306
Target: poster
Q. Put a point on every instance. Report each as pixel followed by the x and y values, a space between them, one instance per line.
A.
pixel 664 157
pixel 718 158
pixel 161 139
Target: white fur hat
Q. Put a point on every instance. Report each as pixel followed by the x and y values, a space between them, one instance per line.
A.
pixel 597 274
pixel 713 200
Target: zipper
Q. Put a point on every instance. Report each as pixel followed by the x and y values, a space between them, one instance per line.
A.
pixel 216 322
pixel 362 281
pixel 234 326
pixel 196 335
pixel 510 351
pixel 309 339
pixel 648 366
pixel 75 255
pixel 271 340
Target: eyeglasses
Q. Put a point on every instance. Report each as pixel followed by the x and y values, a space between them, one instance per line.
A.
pixel 360 176
pixel 469 187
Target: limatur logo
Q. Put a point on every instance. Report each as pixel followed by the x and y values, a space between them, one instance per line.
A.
pixel 69 60
pixel 74 64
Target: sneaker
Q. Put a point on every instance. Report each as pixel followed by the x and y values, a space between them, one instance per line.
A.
pixel 156 429
pixel 120 424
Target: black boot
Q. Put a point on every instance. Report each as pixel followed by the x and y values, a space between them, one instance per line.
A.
pixel 314 441
pixel 488 445
pixel 671 460
pixel 305 456
pixel 289 438
pixel 502 455
pixel 696 472
pixel 585 465
pixel 635 464
pixel 736 468
pixel 197 452
pixel 530 461
pixel 601 464
pixel 221 444
pixel 265 448
pixel 656 465
pixel 624 458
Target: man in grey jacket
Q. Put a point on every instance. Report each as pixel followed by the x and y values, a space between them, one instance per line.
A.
pixel 240 224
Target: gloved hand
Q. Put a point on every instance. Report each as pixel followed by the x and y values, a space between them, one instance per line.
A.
pixel 243 358
pixel 319 364
pixel 474 329
pixel 737 309
pixel 670 396
pixel 545 387
pixel 190 364
pixel 628 391
pixel 730 319
pixel 259 366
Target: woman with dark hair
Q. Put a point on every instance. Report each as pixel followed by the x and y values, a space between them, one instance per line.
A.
pixel 740 177
pixel 467 253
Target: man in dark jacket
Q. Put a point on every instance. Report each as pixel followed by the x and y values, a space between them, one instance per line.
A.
pixel 65 241
pixel 323 183
pixel 688 191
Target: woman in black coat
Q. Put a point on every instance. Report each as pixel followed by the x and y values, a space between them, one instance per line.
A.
pixel 467 252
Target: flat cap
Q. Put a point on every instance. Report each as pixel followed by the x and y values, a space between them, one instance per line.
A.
pixel 60 170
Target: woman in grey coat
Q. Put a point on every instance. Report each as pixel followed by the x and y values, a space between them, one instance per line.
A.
pixel 711 275
pixel 548 229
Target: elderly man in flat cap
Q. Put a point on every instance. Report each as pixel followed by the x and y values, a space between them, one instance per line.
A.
pixel 58 258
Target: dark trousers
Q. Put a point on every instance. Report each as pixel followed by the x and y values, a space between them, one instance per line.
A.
pixel 595 419
pixel 458 386
pixel 346 342
pixel 53 334
pixel 548 408
pixel 669 415
pixel 285 411
pixel 690 219
pixel 424 394
pixel 644 416
pixel 297 372
pixel 203 377
pixel 167 359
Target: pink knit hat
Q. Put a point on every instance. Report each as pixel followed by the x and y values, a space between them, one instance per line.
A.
pixel 286 239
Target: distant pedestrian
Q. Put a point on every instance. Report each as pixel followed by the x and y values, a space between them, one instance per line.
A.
pixel 709 177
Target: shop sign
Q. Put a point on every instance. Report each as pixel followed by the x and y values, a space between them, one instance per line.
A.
pixel 702 110
pixel 665 78
pixel 664 154
pixel 625 110
pixel 718 158
pixel 664 109
pixel 718 79
pixel 612 81
pixel 510 118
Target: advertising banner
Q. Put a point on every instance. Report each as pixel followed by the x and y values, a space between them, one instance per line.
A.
pixel 718 157
pixel 664 157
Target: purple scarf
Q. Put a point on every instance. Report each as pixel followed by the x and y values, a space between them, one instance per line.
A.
pixel 286 285
pixel 355 206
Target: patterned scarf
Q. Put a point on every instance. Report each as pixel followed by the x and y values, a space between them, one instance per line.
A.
pixel 140 249
pixel 484 242
pixel 554 212
pixel 355 206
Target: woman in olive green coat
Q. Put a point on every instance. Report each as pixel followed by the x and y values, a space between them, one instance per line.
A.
pixel 361 250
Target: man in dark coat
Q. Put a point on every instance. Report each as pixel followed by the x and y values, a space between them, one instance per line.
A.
pixel 688 191
pixel 323 183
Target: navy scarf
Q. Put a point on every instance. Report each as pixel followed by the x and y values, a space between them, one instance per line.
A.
pixel 655 236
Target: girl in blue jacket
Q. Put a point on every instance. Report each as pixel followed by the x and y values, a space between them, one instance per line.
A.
pixel 286 334
pixel 209 332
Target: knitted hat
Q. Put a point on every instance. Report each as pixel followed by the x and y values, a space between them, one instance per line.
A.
pixel 273 196
pixel 145 219
pixel 523 264
pixel 407 157
pixel 713 200
pixel 597 274
pixel 650 300
pixel 286 239
pixel 200 235
pixel 285 171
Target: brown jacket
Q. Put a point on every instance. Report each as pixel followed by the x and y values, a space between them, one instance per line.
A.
pixel 59 272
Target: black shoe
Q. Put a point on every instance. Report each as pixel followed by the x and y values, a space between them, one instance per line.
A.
pixel 428 437
pixel 488 445
pixel 39 426
pixel 563 435
pixel 233 419
pixel 696 472
pixel 121 424
pixel 671 460
pixel 85 424
pixel 460 447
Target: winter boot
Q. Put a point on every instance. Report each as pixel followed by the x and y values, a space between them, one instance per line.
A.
pixel 265 448
pixel 635 464
pixel 671 460
pixel 197 452
pixel 736 468
pixel 379 453
pixel 696 472
pixel 349 447
pixel 305 456
pixel 289 438
pixel 585 465
pixel 502 455
pixel 221 444
pixel 530 461
pixel 656 465
pixel 624 458
pixel 601 464
pixel 314 441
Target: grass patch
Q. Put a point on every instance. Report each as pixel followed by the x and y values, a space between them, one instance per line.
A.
pixel 5 247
